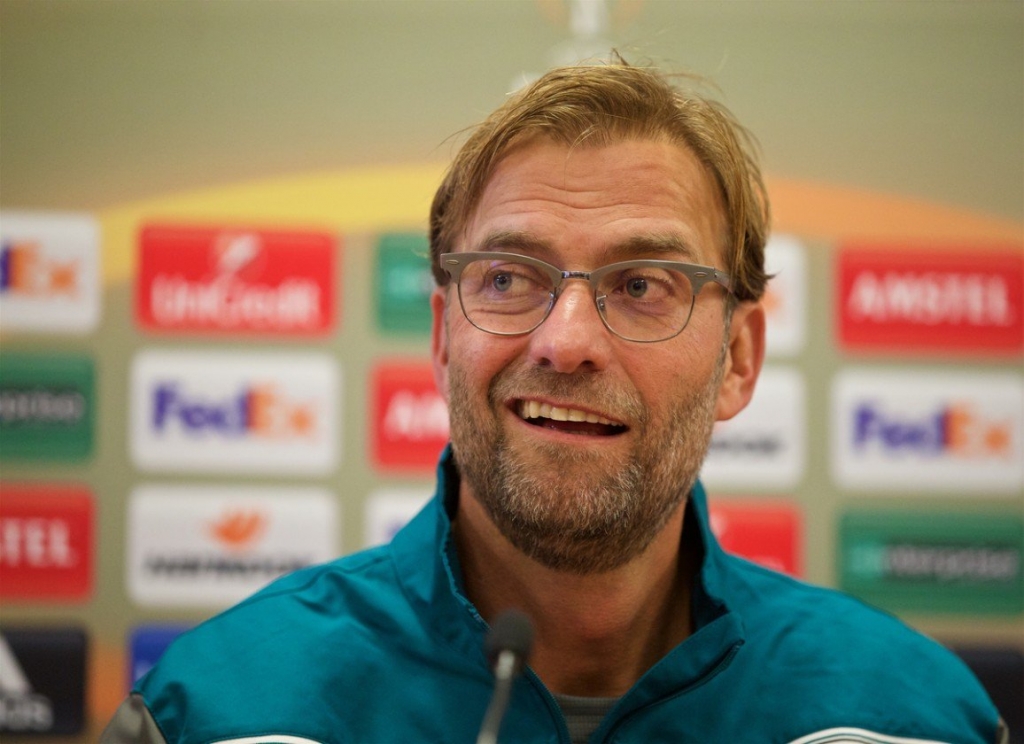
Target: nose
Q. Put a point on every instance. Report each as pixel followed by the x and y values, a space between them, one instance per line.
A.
pixel 572 338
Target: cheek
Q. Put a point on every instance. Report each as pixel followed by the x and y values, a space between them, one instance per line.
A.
pixel 479 356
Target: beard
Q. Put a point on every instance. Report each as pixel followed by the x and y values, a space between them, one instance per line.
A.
pixel 571 508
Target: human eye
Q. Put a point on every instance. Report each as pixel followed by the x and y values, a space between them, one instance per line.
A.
pixel 647 287
pixel 506 281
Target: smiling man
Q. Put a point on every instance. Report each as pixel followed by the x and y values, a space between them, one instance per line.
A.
pixel 598 246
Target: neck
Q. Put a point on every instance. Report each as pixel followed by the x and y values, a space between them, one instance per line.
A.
pixel 596 634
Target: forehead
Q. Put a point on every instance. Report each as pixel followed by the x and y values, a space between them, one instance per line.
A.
pixel 600 199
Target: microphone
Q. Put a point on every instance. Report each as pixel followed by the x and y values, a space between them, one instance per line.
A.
pixel 508 648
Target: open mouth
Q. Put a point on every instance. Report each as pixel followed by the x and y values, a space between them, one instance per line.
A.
pixel 569 420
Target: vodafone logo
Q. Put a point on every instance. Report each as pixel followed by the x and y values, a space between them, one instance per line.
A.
pixel 409 417
pixel 236 281
pixel 213 546
pixel 46 542
pixel 239 412
pixel 972 301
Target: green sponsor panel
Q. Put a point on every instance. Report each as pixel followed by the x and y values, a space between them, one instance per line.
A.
pixel 47 407
pixel 403 283
pixel 934 562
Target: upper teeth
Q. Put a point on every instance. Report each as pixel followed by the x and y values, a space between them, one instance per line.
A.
pixel 533 409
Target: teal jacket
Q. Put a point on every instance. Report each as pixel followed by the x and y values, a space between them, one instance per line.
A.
pixel 383 646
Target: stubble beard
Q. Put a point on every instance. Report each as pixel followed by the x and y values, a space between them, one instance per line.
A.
pixel 569 508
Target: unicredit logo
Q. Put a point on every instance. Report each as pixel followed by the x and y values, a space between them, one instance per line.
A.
pixel 208 279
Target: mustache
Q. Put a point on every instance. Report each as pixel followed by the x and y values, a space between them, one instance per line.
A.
pixel 590 389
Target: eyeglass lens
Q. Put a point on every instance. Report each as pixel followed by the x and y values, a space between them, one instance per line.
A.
pixel 641 303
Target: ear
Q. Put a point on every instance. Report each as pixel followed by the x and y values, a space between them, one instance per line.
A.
pixel 439 339
pixel 743 360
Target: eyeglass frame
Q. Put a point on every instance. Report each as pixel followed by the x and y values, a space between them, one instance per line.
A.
pixel 698 276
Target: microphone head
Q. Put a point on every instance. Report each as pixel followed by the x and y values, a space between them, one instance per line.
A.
pixel 511 631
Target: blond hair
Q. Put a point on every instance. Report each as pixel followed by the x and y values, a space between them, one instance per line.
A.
pixel 597 105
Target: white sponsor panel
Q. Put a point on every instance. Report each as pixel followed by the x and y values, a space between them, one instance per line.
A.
pixel 786 296
pixel 49 272
pixel 764 447
pixel 928 431
pixel 388 511
pixel 235 412
pixel 215 545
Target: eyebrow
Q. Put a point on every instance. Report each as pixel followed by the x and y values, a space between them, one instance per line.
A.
pixel 516 241
pixel 671 247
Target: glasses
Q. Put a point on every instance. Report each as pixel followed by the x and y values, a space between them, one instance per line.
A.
pixel 646 300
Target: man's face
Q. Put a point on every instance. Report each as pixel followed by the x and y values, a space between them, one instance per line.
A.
pixel 586 496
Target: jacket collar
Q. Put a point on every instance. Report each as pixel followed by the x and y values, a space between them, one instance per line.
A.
pixel 434 587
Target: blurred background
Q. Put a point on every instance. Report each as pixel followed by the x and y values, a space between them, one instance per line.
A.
pixel 214 330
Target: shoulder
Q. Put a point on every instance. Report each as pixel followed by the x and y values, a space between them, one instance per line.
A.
pixel 842 662
pixel 803 618
pixel 233 668
pixel 295 609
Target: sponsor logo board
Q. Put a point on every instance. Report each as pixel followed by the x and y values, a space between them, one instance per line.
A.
pixel 768 533
pixel 145 647
pixel 388 511
pixel 234 412
pixel 409 417
pixel 785 299
pixel 764 446
pixel 235 280
pixel 404 283
pixel 49 272
pixel 42 681
pixel 969 301
pixel 928 431
pixel 934 561
pixel 216 545
pixel 46 542
pixel 47 407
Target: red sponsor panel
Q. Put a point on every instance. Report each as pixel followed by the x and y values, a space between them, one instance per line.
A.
pixel 968 301
pixel 236 280
pixel 46 542
pixel 409 417
pixel 769 533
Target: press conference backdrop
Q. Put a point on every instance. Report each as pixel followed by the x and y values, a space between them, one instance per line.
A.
pixel 214 321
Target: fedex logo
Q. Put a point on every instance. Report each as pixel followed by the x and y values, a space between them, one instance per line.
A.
pixel 245 412
pixel 969 301
pixel 956 429
pixel 49 272
pixel 258 410
pixel 928 431
pixel 25 270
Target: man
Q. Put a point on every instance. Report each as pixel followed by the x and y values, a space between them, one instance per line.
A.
pixel 598 246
